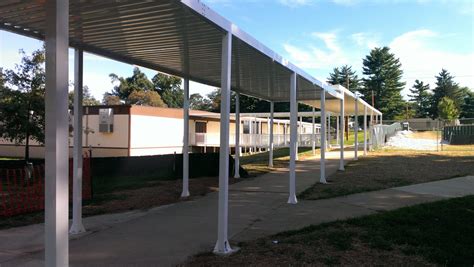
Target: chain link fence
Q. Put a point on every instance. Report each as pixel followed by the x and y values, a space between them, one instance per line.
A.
pixel 434 135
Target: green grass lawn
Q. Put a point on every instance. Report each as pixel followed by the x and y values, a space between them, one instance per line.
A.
pixel 351 140
pixel 438 233
pixel 390 168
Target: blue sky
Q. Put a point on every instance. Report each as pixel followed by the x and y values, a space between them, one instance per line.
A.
pixel 426 35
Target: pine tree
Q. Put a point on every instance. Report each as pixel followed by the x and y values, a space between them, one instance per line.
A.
pixel 467 109
pixel 383 77
pixel 421 97
pixel 446 87
pixel 344 75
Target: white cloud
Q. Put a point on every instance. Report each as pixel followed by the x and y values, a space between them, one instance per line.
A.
pixel 420 60
pixel 364 39
pixel 317 57
pixel 417 50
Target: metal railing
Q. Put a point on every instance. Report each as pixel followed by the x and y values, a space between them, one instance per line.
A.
pixel 381 133
pixel 254 140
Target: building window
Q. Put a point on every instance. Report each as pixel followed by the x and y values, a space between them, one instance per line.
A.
pixel 201 127
pixel 246 127
pixel 106 120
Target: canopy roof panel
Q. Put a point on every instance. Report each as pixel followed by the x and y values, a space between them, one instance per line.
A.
pixel 182 38
pixel 333 105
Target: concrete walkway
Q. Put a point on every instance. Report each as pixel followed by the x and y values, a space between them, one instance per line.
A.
pixel 168 235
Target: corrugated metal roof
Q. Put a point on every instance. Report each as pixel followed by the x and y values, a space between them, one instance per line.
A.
pixel 182 38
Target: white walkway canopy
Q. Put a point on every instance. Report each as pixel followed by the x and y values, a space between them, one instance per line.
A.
pixel 183 38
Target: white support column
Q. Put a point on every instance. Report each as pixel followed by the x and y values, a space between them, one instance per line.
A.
pixel 337 130
pixel 260 135
pixel 371 128
pixel 237 136
pixel 222 245
pixel 365 130
pixel 255 135
pixel 293 139
pixel 270 145
pixel 313 134
pixel 381 118
pixel 56 134
pixel 329 130
pixel 185 192
pixel 77 227
pixel 250 135
pixel 356 128
pixel 299 131
pixel 278 134
pixel 341 136
pixel 322 162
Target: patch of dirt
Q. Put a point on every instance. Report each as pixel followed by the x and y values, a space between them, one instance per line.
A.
pixel 158 194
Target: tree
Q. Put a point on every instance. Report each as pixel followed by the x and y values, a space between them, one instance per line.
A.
pixel 169 88
pixel 135 90
pixel 111 100
pixel 446 87
pixel 22 110
pixel 198 102
pixel 447 109
pixel 87 98
pixel 145 98
pixel 383 77
pixel 467 109
pixel 2 79
pixel 137 82
pixel 346 77
pixel 421 97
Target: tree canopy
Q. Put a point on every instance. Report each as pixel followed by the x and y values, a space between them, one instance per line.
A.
pixel 447 109
pixel 446 87
pixel 134 90
pixel 87 98
pixel 344 75
pixel 467 109
pixel 383 75
pixel 421 97
pixel 169 88
pixel 22 107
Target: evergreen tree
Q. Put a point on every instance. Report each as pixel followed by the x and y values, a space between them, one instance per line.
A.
pixel 383 77
pixel 343 76
pixel 467 109
pixel 446 87
pixel 421 97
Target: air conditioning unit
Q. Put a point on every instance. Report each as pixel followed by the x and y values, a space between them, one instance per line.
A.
pixel 106 120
